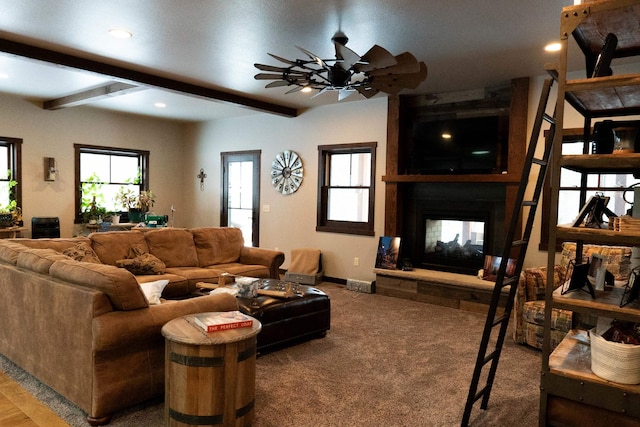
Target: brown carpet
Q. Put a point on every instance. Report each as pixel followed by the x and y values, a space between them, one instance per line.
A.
pixel 385 362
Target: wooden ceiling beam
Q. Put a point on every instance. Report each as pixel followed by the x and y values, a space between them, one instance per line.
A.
pixel 87 96
pixel 140 77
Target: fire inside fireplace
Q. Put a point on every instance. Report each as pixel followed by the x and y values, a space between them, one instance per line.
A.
pixel 454 243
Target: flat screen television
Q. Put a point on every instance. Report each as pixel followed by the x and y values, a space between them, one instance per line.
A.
pixel 468 145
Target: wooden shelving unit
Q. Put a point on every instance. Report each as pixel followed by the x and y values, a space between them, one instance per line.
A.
pixel 570 393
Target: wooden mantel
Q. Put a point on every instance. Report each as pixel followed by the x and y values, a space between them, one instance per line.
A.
pixel 394 181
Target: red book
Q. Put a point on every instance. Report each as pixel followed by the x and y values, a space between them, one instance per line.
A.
pixel 223 321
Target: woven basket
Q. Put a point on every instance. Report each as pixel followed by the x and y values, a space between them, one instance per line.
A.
pixel 614 361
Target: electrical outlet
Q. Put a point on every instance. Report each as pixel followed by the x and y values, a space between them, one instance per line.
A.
pixel 356 262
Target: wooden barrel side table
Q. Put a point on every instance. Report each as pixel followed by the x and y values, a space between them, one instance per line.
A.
pixel 209 377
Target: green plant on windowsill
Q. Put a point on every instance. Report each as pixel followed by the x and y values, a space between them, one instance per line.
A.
pixel 136 204
pixel 94 213
pixel 9 213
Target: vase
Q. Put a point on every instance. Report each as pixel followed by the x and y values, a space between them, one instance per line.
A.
pixel 136 215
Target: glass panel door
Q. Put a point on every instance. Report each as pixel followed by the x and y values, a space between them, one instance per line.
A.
pixel 241 194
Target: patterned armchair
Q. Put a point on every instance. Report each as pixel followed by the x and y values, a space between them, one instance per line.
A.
pixel 529 303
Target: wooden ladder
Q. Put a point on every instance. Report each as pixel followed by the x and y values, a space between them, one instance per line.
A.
pixel 519 247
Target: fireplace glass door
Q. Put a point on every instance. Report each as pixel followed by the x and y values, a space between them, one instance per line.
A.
pixel 454 244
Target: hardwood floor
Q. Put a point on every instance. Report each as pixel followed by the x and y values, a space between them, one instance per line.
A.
pixel 19 409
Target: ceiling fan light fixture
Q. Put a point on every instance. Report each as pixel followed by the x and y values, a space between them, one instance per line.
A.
pixel 347 73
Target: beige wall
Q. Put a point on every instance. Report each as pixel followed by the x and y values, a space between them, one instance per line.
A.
pixel 53 133
pixel 291 221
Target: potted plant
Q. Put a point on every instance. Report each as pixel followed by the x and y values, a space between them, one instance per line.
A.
pixel 94 213
pixel 136 204
pixel 9 211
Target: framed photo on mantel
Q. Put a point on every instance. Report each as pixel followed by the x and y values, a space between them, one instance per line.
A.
pixel 388 253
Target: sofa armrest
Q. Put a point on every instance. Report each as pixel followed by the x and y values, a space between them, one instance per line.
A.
pixel 124 329
pixel 261 256
pixel 531 287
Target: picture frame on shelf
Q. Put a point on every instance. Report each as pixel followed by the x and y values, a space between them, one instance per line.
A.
pixel 597 271
pixel 576 278
pixel 632 288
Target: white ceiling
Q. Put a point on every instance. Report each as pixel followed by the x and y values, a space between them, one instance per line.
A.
pixel 466 44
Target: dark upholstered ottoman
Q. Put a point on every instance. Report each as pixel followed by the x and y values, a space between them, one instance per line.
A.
pixel 306 314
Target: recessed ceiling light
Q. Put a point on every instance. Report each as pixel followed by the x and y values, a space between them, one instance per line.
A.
pixel 306 89
pixel 553 47
pixel 120 33
pixel 160 105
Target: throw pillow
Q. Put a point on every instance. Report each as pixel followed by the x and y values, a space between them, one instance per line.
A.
pixel 153 290
pixel 82 252
pixel 143 264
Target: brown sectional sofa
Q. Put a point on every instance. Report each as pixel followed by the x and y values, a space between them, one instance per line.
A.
pixel 87 330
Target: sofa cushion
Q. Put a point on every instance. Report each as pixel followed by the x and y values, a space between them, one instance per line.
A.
pixel 117 283
pixel 237 269
pixel 142 263
pixel 82 252
pixel 39 260
pixel 9 251
pixel 114 245
pixel 174 246
pixel 534 313
pixel 217 245
pixel 57 243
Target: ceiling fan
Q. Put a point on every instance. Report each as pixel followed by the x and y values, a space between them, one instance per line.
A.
pixel 375 71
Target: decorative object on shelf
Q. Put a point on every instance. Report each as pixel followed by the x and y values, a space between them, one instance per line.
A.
pixel 287 172
pixel 603 63
pixel 201 176
pixel 593 211
pixel 388 252
pixel 576 278
pixel 632 288
pixel 375 71
pixel 597 271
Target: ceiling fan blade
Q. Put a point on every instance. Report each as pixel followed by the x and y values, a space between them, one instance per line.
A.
pixel 345 93
pixel 376 57
pixel 263 67
pixel 281 59
pixel 394 83
pixel 283 76
pixel 295 89
pixel 321 91
pixel 367 91
pixel 277 83
pixel 314 57
pixel 349 57
pixel 407 63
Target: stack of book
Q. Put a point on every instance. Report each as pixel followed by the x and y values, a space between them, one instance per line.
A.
pixel 223 321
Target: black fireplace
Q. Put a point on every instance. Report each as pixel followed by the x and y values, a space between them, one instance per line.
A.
pixel 452 226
